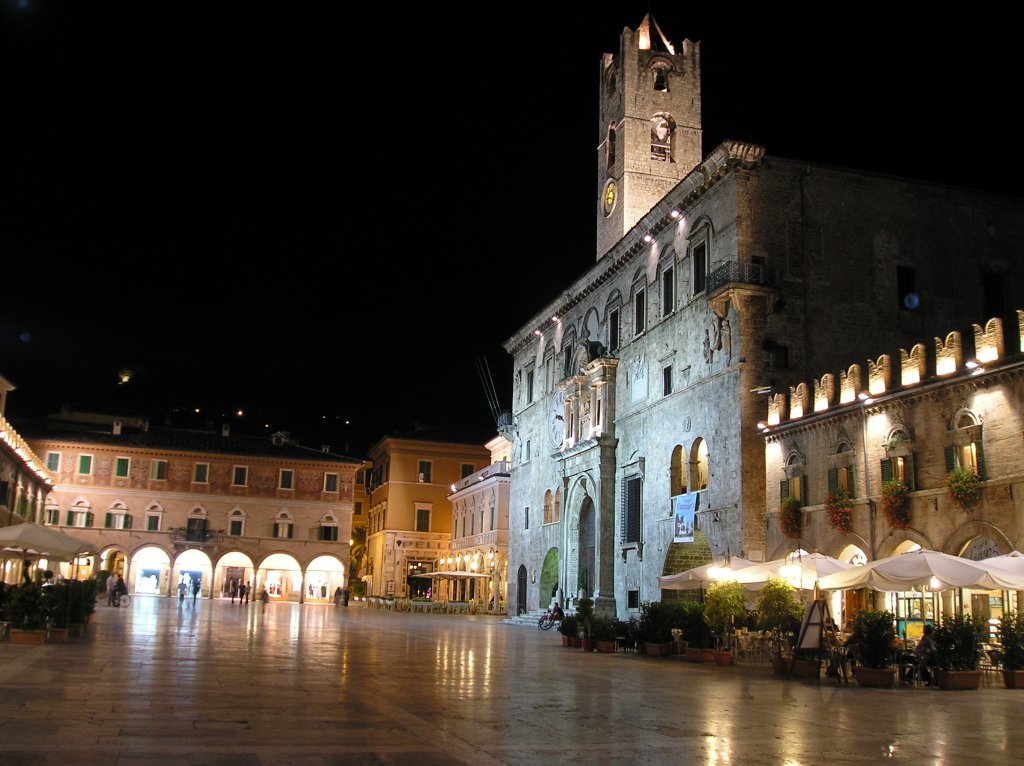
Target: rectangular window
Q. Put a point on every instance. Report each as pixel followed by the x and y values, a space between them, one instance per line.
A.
pixel 152 522
pixel 529 386
pixel 283 530
pixel 423 471
pixel 240 476
pixel 158 470
pixel 466 469
pixel 53 461
pixel 527 450
pixel 330 482
pixel 700 267
pixel 639 312
pixel 526 518
pixel 201 473
pixel 630 528
pixel 286 479
pixel 235 527
pixel 613 330
pixel 906 287
pixel 329 533
pixel 357 508
pixel 121 467
pixel 85 465
pixel 668 291
pixel 422 519
pixel 666 380
pixel 632 599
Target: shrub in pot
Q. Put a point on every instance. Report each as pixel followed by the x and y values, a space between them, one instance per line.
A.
pixel 872 641
pixel 779 613
pixel 724 603
pixel 958 649
pixel 1011 636
pixel 25 607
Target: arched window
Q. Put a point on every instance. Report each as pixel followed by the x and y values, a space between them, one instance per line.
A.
pixel 547 507
pixel 236 522
pixel 329 528
pixel 610 147
pixel 662 131
pixel 677 471
pixel 842 475
pixel 795 483
pixel 699 465
pixel 661 78
pixel 965 449
pixel 558 505
pixel 283 526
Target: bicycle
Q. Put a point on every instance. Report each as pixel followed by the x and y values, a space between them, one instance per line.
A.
pixel 549 620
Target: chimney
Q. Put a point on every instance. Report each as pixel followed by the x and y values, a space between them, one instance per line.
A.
pixel 325 447
pixel 117 428
pixel 225 429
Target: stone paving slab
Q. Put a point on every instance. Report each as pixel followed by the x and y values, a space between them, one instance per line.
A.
pixel 283 684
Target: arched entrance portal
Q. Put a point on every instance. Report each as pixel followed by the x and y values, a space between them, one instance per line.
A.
pixel 549 579
pixel 521 590
pixel 588 547
pixel 151 570
pixel 281 575
pixel 324 574
pixel 191 567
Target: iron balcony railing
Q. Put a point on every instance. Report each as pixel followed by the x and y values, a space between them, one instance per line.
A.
pixel 739 273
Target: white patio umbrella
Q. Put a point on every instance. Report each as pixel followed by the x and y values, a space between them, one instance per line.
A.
pixel 698 577
pixel 801 571
pixel 1011 563
pixel 934 569
pixel 29 540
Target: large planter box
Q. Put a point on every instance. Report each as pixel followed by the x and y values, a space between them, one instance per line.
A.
pixel 75 629
pixel 57 636
pixel 27 637
pixel 806 669
pixel 605 647
pixel 723 658
pixel 958 680
pixel 693 654
pixel 707 655
pixel 1013 679
pixel 875 678
pixel 658 650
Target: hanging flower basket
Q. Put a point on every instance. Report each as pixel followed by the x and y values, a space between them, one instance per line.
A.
pixel 964 487
pixel 791 518
pixel 840 510
pixel 896 503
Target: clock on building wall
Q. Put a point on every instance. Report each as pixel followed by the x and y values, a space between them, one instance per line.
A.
pixel 556 419
pixel 611 195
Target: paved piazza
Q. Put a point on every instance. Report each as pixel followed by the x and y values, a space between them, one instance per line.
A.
pixel 158 684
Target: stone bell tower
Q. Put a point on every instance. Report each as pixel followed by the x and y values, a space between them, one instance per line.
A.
pixel 649 126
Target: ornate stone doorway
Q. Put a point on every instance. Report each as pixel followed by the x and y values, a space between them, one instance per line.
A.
pixel 521 590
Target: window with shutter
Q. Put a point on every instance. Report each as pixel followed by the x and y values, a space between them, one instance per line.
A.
pixel 629 531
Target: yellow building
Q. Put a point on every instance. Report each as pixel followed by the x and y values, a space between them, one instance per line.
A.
pixel 410 516
pixel 166 507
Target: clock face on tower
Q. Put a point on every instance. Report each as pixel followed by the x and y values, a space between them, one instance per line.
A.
pixel 556 419
pixel 611 195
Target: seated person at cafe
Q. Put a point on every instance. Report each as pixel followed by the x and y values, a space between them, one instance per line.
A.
pixel 924 657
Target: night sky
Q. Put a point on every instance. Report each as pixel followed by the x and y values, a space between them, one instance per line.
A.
pixel 321 215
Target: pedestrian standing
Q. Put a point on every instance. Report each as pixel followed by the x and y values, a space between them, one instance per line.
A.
pixel 337 596
pixel 195 591
pixel 234 590
pixel 182 590
pixel 111 582
pixel 241 593
pixel 248 589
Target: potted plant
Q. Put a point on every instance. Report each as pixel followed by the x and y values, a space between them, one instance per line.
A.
pixel 654 628
pixel 25 610
pixel 602 633
pixel 896 503
pixel 585 615
pixel 724 603
pixel 778 614
pixel 839 507
pixel 1011 636
pixel 791 518
pixel 958 649
pixel 695 633
pixel 872 642
pixel 964 487
pixel 570 630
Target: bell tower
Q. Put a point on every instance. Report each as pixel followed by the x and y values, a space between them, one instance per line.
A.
pixel 649 126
